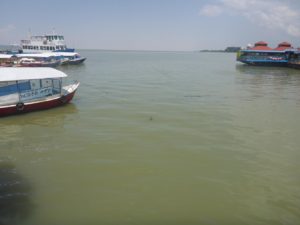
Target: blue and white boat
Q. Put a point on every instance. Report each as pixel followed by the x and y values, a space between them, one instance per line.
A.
pixel 70 58
pixel 45 43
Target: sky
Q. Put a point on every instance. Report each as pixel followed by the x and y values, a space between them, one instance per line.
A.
pixel 162 25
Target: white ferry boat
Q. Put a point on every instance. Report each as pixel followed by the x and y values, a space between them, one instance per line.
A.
pixel 45 43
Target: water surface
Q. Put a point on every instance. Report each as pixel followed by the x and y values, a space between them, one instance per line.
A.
pixel 162 138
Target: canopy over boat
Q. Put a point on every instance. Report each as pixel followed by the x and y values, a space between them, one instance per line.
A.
pixel 14 74
pixel 66 54
pixel 5 56
pixel 37 55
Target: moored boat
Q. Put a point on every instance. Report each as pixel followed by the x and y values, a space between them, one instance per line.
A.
pixel 294 59
pixel 25 90
pixel 45 43
pixel 76 61
pixel 262 55
pixel 45 59
pixel 6 60
pixel 71 58
pixel 30 62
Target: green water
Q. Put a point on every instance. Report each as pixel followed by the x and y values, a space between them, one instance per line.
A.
pixel 158 138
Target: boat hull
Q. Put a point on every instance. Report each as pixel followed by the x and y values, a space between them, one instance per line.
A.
pixel 265 63
pixel 76 61
pixel 35 106
pixel 66 50
pixel 43 64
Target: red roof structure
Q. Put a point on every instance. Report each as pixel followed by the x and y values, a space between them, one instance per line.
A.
pixel 261 45
pixel 283 46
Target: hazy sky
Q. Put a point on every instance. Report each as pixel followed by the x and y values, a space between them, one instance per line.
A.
pixel 153 24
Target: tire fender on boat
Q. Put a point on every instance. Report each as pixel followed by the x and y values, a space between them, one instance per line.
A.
pixel 20 106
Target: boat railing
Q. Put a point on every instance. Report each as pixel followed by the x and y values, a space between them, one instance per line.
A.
pixel 25 41
pixel 261 57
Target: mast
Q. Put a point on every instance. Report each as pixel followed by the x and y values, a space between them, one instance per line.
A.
pixel 29 33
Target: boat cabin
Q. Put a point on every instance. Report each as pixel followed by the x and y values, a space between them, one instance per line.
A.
pixel 45 43
pixel 28 84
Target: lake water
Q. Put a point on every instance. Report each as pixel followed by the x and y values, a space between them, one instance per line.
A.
pixel 158 138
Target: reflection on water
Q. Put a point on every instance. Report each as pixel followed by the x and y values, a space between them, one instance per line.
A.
pixel 52 117
pixel 268 82
pixel 261 70
pixel 15 191
pixel 13 126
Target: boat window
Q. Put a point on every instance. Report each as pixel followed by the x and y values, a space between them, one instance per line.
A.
pixel 35 84
pixel 37 89
pixel 23 85
pixel 46 83
pixel 56 86
pixel 57 47
pixel 7 88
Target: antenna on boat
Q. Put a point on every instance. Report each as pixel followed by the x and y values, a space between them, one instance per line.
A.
pixel 29 33
pixel 53 31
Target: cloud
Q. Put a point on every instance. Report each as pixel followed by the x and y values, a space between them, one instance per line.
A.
pixel 272 14
pixel 211 10
pixel 7 29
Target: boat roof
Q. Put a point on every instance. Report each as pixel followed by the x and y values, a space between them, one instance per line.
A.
pixel 269 51
pixel 39 55
pixel 47 54
pixel 27 73
pixel 36 55
pixel 5 56
pixel 66 53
